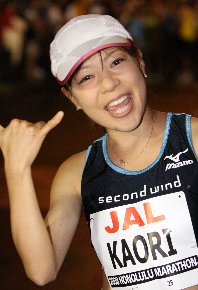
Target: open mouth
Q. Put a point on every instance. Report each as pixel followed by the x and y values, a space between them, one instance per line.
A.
pixel 120 106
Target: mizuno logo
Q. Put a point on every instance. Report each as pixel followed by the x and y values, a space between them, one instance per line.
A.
pixel 176 159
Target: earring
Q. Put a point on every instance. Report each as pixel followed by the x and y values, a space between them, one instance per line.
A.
pixel 77 108
pixel 145 75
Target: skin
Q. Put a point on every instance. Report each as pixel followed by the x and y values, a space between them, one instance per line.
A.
pixel 111 90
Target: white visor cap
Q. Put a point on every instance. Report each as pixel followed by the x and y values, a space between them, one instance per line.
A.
pixel 80 38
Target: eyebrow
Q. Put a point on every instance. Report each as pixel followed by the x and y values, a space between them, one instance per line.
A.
pixel 108 54
pixel 111 52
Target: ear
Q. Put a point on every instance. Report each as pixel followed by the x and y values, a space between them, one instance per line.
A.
pixel 69 96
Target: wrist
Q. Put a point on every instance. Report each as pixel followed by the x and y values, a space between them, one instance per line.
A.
pixel 16 169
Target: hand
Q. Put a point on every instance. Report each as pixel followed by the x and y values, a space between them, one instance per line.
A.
pixel 20 141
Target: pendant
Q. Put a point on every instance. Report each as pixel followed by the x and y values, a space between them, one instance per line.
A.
pixel 123 162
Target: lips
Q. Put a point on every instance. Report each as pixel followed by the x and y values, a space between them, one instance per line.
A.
pixel 120 106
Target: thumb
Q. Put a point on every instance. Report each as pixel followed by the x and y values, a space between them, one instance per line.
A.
pixel 52 123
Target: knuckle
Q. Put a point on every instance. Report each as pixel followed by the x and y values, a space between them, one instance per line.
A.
pixel 14 122
pixel 40 124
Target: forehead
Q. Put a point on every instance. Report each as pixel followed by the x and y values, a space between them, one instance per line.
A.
pixel 102 55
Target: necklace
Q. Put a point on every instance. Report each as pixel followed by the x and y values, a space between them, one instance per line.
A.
pixel 121 160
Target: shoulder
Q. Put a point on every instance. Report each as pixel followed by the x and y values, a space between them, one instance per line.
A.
pixel 77 160
pixel 194 129
pixel 194 124
pixel 71 170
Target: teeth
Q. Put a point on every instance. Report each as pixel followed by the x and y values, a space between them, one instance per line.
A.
pixel 122 110
pixel 117 102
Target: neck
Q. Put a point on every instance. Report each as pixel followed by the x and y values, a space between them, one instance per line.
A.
pixel 138 134
pixel 129 148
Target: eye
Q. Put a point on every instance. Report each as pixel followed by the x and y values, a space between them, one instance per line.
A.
pixel 117 61
pixel 85 78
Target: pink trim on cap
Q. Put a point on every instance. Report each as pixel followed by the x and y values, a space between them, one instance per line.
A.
pixel 90 53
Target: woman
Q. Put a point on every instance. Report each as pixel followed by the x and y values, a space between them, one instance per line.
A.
pixel 133 182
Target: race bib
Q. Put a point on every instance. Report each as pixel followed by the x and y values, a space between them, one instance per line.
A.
pixel 147 245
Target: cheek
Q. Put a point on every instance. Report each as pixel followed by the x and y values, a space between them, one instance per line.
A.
pixel 131 72
pixel 87 99
pixel 134 80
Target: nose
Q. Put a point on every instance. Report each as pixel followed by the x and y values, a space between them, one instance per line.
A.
pixel 108 82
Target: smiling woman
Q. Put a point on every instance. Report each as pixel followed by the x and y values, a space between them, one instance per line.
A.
pixel 93 86
pixel 133 183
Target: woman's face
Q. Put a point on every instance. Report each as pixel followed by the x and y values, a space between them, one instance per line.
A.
pixel 110 88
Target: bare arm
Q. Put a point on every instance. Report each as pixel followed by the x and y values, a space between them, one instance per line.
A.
pixel 105 285
pixel 40 251
pixel 65 205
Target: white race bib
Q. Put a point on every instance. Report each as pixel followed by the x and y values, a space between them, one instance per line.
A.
pixel 147 245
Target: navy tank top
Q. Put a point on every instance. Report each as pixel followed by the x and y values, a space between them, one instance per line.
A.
pixel 144 224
